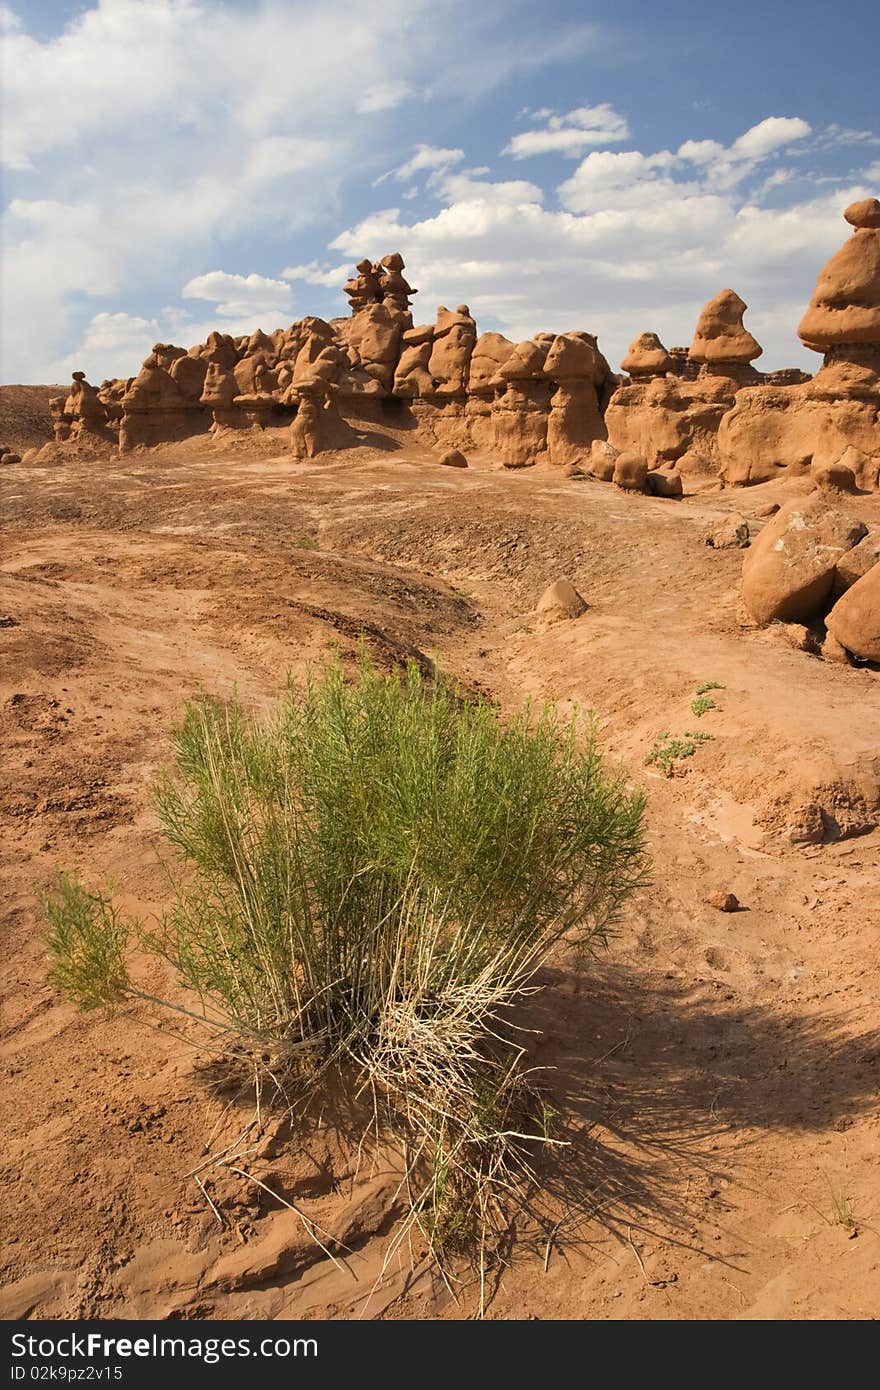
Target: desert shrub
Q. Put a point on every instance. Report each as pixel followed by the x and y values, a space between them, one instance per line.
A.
pixel 367 879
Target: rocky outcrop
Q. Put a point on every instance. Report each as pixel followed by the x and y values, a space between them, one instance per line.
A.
pixel 701 417
pixel 834 417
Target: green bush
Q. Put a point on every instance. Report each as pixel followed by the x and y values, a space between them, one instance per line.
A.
pixel 367 880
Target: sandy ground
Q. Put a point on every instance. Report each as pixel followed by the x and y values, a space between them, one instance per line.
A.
pixel 717 1073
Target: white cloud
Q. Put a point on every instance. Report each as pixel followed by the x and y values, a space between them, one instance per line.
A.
pixel 384 96
pixel 640 241
pixel 769 135
pixel 331 278
pixel 147 137
pixel 113 343
pixel 235 295
pixel 426 159
pixel 570 134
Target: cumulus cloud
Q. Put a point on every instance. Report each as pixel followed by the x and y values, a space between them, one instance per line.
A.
pixel 235 295
pixel 638 241
pixel 769 135
pixel 121 339
pixel 148 137
pixel 570 134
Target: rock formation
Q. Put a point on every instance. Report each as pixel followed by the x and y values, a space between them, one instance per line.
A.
pixel 837 412
pixel 699 418
pixel 722 344
pixel 664 413
pixel 521 406
pixel 647 357
pixel 579 371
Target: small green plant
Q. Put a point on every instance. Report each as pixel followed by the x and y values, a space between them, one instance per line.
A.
pixel 841 1207
pixel 702 705
pixel 669 750
pixel 365 882
pixel 306 543
pixel 704 686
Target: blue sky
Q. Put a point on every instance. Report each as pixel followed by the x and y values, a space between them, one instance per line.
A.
pixel 177 165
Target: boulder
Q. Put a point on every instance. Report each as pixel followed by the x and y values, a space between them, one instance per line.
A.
pixel 833 477
pixel 722 901
pixel 832 651
pixel 729 534
pixel 630 473
pixel 856 562
pixel 789 571
pixel 453 458
pixel 855 618
pixel 663 484
pixel 603 457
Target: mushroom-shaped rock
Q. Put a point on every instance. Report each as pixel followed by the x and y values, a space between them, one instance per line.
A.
pixel 453 458
pixel 560 601
pixel 845 308
pixel 855 618
pixel 789 571
pixel 83 402
pixel 864 214
pixel 363 288
pixel 647 357
pixel 720 335
pixel 395 291
pixel 575 419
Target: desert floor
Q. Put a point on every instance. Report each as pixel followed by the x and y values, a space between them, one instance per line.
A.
pixel 717 1073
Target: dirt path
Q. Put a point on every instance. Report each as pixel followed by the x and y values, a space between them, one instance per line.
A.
pixel 718 1073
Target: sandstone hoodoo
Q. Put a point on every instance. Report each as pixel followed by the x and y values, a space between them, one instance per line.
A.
pixel 699 418
pixel 832 418
pixel 647 357
pixel 722 344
